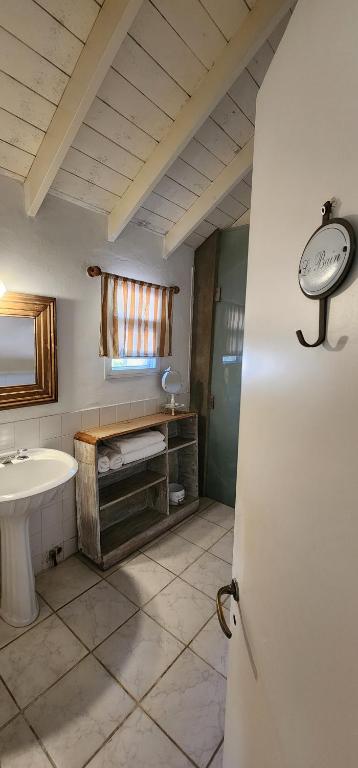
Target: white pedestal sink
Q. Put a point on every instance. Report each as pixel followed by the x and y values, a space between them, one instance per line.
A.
pixel 25 484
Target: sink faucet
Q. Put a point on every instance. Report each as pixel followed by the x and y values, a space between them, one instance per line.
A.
pixel 21 453
pixel 6 460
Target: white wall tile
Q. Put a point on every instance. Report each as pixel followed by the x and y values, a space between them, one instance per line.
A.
pixel 137 409
pixel 52 527
pixel 123 411
pixel 35 521
pixel 7 437
pixel 90 418
pixel 151 406
pixel 36 544
pixel 67 445
pixel 71 423
pixel 52 442
pixel 37 564
pixel 70 547
pixel 69 528
pixel 27 433
pixel 50 426
pixel 107 415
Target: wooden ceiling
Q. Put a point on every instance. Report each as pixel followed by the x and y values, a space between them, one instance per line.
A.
pixel 134 108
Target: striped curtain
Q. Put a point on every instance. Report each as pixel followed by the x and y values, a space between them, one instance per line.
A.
pixel 136 319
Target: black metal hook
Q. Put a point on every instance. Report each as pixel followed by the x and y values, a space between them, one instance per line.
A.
pixel 322 326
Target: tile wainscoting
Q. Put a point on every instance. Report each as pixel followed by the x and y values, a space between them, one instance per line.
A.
pixel 55 525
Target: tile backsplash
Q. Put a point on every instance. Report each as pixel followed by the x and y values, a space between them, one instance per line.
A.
pixel 55 524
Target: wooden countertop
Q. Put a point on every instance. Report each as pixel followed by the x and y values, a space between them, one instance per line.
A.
pixel 96 434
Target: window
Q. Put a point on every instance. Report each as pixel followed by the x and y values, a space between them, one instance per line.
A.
pixel 127 366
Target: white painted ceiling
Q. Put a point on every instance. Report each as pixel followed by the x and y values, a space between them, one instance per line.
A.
pixel 161 63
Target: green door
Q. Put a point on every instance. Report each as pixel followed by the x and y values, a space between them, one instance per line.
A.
pixel 226 366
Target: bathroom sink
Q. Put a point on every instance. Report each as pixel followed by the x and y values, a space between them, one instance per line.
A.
pixel 44 470
pixel 27 481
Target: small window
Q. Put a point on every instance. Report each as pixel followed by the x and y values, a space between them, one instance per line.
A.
pixel 130 365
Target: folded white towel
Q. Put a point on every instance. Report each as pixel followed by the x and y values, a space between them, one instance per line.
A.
pixel 138 442
pixel 103 463
pixel 114 458
pixel 144 453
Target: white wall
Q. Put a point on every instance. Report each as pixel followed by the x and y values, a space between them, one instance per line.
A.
pixel 49 255
pixel 297 471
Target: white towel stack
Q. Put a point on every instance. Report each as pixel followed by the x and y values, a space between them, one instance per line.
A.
pixel 108 459
pixel 123 450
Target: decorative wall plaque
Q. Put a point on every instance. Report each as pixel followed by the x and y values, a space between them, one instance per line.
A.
pixel 325 262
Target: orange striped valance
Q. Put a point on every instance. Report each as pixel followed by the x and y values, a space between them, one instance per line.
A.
pixel 136 318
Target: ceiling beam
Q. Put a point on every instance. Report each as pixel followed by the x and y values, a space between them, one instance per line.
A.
pixel 242 220
pixel 223 184
pixel 104 40
pixel 256 28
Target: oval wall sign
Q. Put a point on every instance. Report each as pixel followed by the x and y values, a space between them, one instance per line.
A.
pixel 326 259
pixel 325 262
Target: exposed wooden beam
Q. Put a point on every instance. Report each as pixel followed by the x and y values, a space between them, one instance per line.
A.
pixel 242 220
pixel 223 184
pixel 104 40
pixel 256 28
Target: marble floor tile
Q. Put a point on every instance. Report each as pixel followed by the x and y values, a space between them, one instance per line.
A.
pixel 188 703
pixel 138 653
pixel 212 645
pixel 8 707
pixel 224 547
pixel 204 502
pixel 65 582
pixel 38 658
pixel 99 571
pixel 181 609
pixel 8 633
pixel 217 762
pixel 208 574
pixel 141 744
pixel 75 717
pixel 19 747
pixel 97 613
pixel 220 514
pixel 200 531
pixel 173 552
pixel 141 579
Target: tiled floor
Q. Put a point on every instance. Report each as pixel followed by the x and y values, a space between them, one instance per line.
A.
pixel 123 668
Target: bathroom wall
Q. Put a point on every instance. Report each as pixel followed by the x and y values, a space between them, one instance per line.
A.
pixel 49 255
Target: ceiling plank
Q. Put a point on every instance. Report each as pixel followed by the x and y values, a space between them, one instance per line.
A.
pixel 255 29
pixel 243 220
pixel 107 34
pixel 212 196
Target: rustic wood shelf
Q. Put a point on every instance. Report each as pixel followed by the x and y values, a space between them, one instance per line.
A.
pixel 128 487
pixel 121 532
pixel 121 510
pixel 175 443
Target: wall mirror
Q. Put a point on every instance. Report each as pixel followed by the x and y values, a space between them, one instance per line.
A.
pixel 28 359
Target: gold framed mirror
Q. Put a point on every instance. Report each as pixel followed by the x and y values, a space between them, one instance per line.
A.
pixel 28 350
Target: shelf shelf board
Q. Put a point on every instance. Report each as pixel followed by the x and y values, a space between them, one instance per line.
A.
pixel 188 502
pixel 102 475
pixel 131 526
pixel 176 443
pixel 111 494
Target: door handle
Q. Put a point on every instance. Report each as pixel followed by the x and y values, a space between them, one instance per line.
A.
pixel 229 589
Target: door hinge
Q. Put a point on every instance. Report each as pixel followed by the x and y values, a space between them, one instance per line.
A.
pixel 217 296
pixel 212 402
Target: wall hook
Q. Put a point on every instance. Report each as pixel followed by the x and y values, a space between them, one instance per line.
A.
pixel 321 327
pixel 325 262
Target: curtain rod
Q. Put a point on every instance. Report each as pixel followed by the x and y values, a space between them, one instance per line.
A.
pixel 97 272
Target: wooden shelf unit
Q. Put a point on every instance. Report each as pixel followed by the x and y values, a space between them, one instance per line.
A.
pixel 121 510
